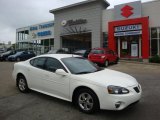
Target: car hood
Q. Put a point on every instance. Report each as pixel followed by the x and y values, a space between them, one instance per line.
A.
pixel 110 77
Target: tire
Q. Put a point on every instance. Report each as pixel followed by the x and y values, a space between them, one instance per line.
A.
pixel 106 63
pixel 87 101
pixel 18 59
pixel 22 84
pixel 6 59
pixel 116 62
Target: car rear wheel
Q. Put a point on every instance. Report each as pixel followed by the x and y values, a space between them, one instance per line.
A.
pixel 22 84
pixel 87 101
pixel 106 63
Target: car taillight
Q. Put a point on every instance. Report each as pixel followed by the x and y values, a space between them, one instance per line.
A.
pixel 102 57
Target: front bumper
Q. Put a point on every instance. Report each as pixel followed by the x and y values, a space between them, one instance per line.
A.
pixel 119 102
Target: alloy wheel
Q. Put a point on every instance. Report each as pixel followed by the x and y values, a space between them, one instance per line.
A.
pixel 106 63
pixel 18 59
pixel 85 101
pixel 22 84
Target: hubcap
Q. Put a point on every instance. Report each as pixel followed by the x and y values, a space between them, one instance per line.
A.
pixel 22 84
pixel 18 59
pixel 85 101
pixel 106 63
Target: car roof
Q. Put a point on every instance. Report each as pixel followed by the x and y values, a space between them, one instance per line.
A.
pixel 100 49
pixel 59 56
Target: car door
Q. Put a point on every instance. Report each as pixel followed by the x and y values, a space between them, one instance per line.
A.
pixel 36 76
pixel 113 57
pixel 55 84
pixel 26 55
pixel 23 55
pixel 109 55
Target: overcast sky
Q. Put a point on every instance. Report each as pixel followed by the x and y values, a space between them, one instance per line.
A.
pixel 20 13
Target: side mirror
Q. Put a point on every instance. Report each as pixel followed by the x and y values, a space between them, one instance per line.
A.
pixel 61 72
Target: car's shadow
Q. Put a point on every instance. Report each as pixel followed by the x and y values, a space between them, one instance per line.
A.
pixel 72 109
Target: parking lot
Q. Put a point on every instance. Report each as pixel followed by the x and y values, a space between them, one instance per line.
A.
pixel 35 106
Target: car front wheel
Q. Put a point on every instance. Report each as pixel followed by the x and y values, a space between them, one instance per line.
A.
pixel 106 63
pixel 87 101
pixel 22 84
pixel 6 59
pixel 18 59
pixel 116 62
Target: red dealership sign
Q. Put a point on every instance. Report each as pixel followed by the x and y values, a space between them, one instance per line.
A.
pixel 127 11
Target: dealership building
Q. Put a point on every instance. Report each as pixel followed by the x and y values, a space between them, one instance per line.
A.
pixel 131 29
pixel 38 37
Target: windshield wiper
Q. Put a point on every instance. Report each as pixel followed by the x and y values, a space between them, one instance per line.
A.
pixel 99 69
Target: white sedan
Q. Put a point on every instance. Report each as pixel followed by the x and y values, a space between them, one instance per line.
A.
pixel 75 79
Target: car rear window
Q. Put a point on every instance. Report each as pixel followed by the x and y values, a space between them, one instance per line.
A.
pixel 97 51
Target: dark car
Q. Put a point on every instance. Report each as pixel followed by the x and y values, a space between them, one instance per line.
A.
pixel 58 51
pixel 1 51
pixel 83 53
pixel 23 55
pixel 103 56
pixel 4 56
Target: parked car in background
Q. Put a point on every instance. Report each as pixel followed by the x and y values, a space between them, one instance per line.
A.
pixel 103 56
pixel 4 56
pixel 58 51
pixel 84 53
pixel 1 51
pixel 23 55
pixel 76 79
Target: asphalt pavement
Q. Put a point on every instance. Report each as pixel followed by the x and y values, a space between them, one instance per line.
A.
pixel 36 106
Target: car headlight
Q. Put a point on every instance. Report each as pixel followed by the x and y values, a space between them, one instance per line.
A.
pixel 117 90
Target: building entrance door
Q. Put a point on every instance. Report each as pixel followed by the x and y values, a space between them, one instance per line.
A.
pixel 129 46
pixel 76 41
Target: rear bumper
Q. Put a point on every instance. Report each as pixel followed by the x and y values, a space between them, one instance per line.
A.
pixel 100 61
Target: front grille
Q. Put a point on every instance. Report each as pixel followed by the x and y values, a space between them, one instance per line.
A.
pixel 136 89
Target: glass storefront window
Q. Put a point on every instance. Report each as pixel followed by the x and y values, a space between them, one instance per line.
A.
pixel 154 33
pixel 154 47
pixel 105 40
pixel 155 41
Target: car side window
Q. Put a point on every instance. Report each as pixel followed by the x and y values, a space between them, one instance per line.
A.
pixel 53 64
pixel 112 52
pixel 109 52
pixel 38 62
pixel 25 52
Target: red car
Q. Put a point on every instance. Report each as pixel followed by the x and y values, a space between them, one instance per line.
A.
pixel 103 56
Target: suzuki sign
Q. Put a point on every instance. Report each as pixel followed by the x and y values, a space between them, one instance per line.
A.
pixel 128 10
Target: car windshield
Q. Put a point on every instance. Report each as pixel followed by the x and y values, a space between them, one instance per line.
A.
pixel 8 52
pixel 78 65
pixel 18 53
pixel 52 52
pixel 80 51
pixel 97 51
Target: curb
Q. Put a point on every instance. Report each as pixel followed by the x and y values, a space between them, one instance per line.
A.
pixel 125 61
